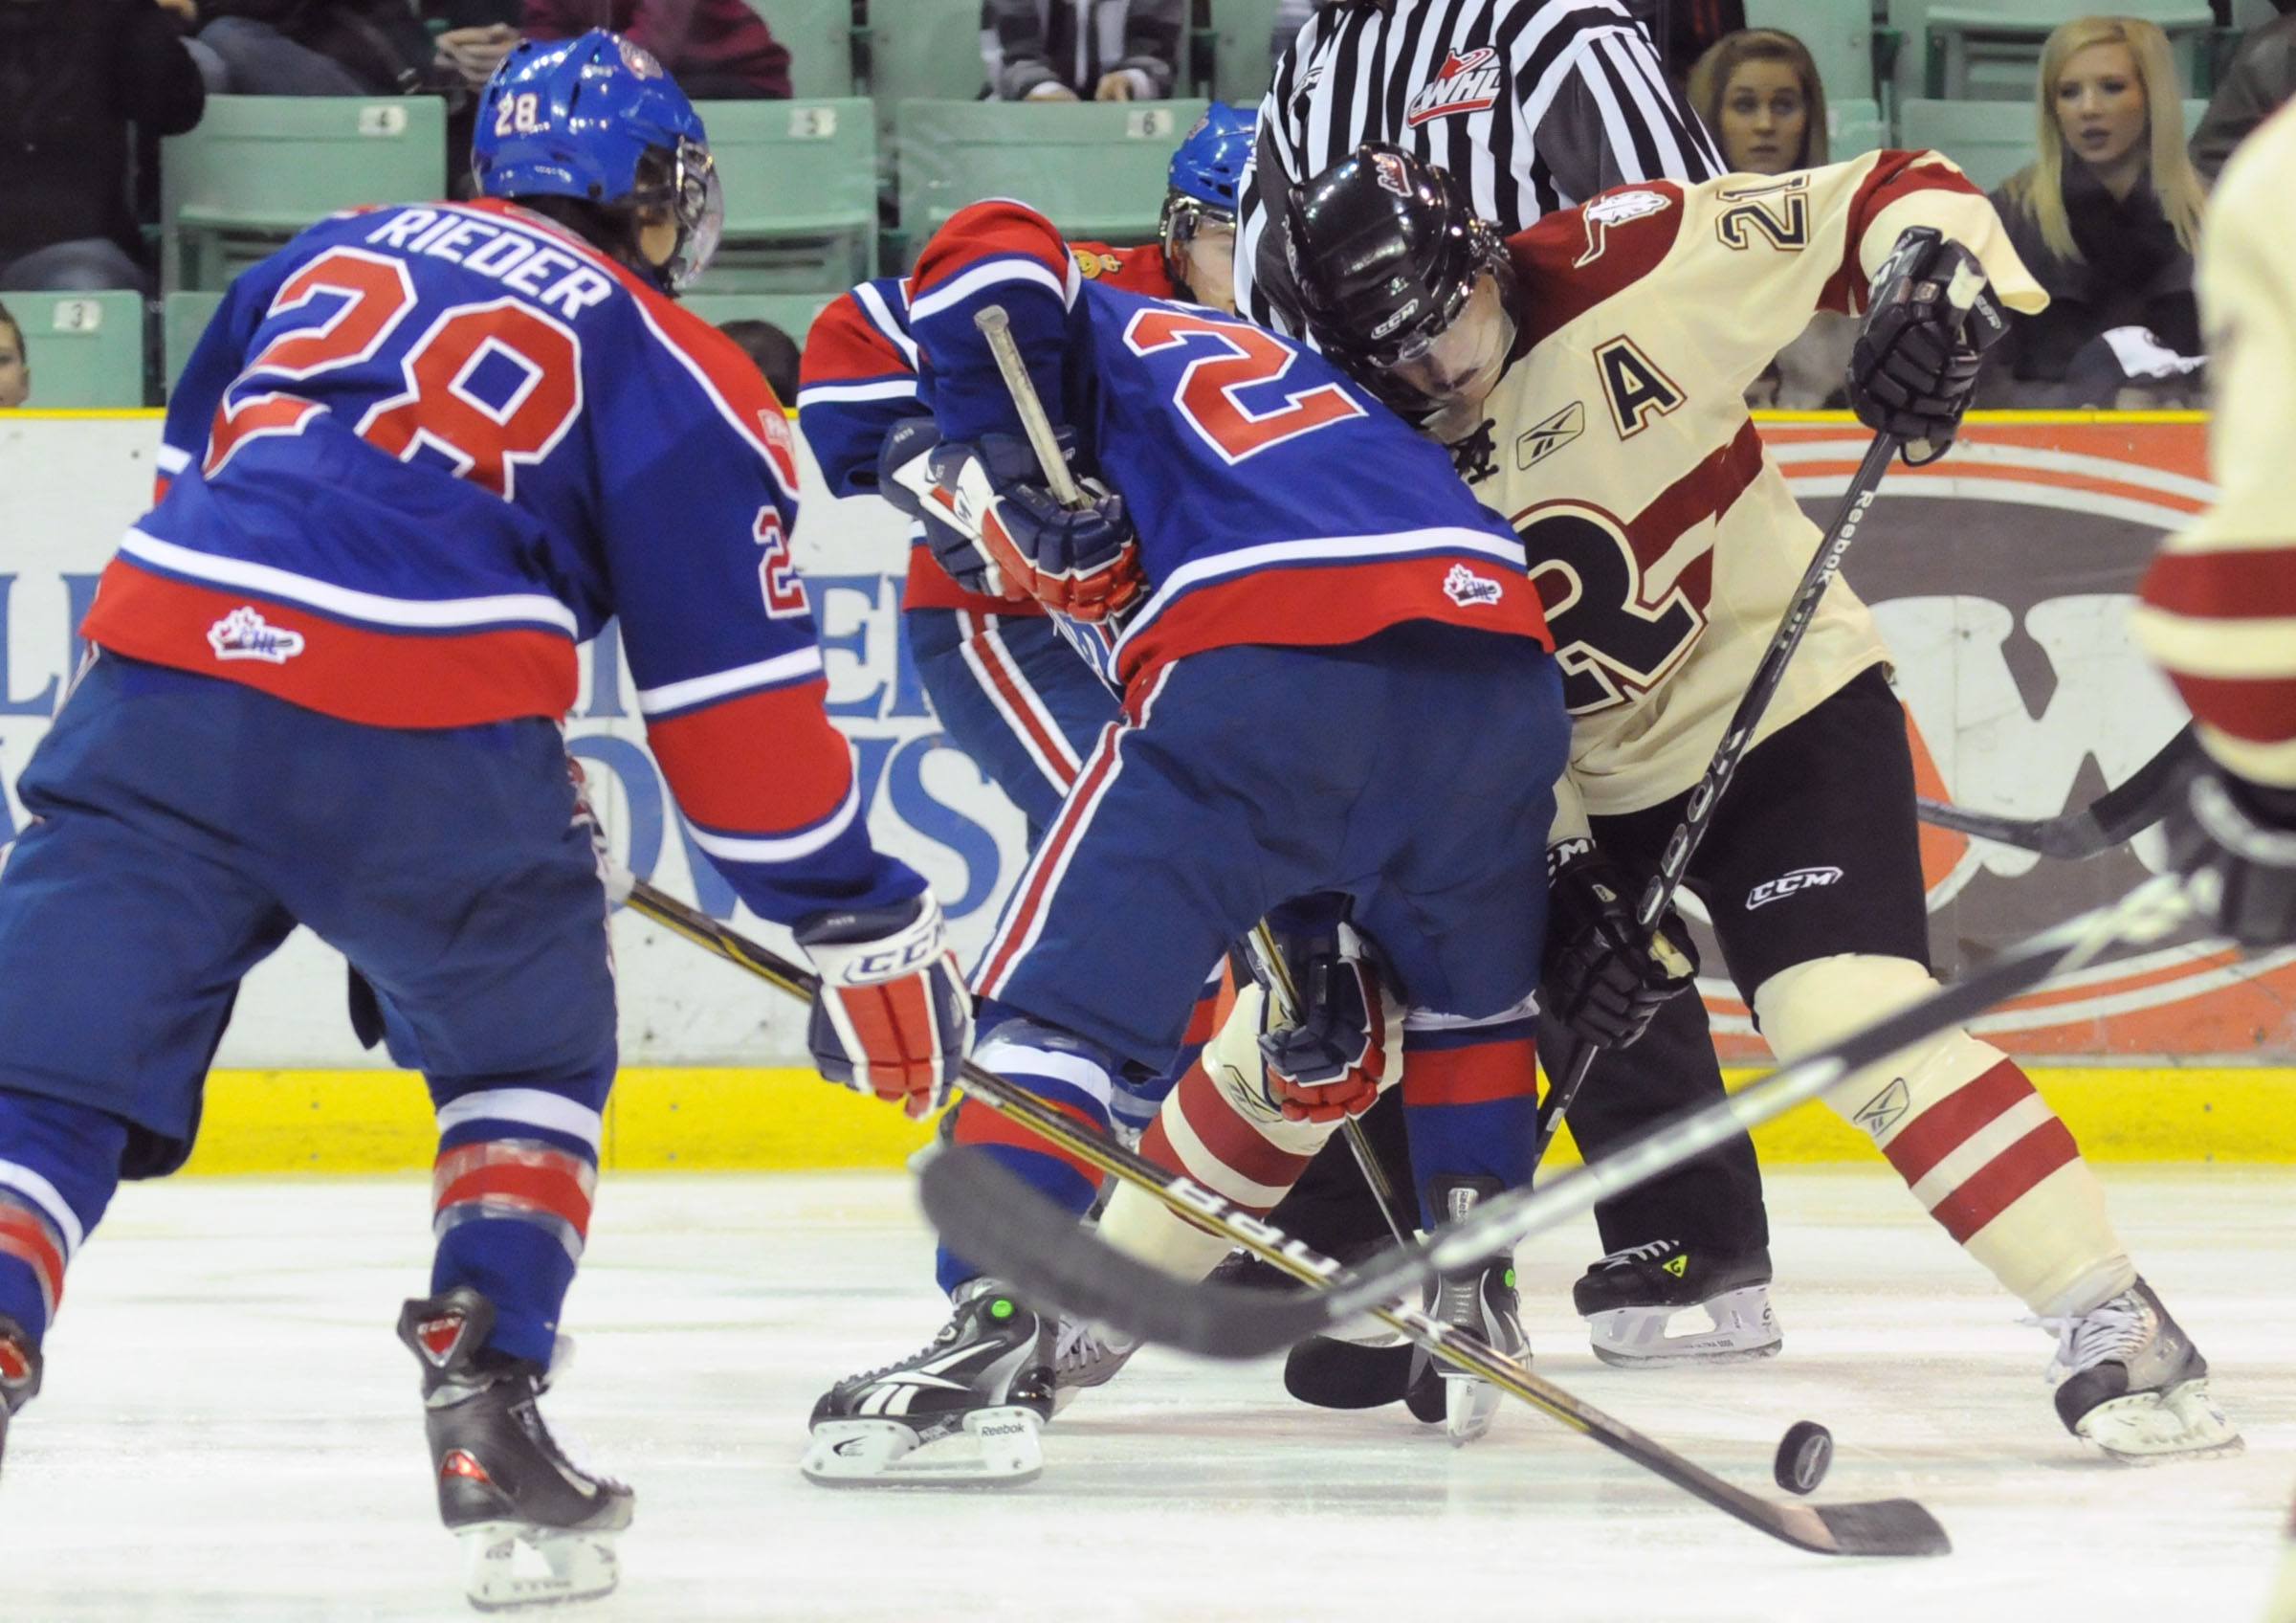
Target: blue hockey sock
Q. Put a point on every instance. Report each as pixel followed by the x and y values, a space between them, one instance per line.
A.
pixel 60 1163
pixel 1470 1105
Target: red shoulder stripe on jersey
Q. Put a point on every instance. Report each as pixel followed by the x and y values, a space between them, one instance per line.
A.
pixel 999 228
pixel 2257 710
pixel 761 763
pixel 2248 584
pixel 843 344
pixel 382 678
pixel 1897 175
pixel 1574 259
pixel 1708 491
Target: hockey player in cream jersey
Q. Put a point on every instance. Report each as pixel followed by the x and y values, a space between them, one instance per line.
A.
pixel 1589 374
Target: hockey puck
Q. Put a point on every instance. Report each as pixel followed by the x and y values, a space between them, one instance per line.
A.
pixel 1804 1455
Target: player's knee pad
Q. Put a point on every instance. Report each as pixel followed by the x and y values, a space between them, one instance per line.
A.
pixel 1811 1006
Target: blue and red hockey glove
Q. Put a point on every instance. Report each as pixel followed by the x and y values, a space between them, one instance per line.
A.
pixel 1345 1043
pixel 893 1017
pixel 1081 562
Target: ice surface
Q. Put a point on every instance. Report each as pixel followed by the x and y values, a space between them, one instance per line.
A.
pixel 231 1432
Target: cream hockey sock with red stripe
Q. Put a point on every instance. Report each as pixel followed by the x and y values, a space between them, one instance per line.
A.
pixel 1960 1121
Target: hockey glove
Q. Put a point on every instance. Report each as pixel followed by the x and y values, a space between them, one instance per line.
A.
pixel 893 1017
pixel 905 479
pixel 1081 562
pixel 2238 841
pixel 1601 978
pixel 1917 357
pixel 1345 1042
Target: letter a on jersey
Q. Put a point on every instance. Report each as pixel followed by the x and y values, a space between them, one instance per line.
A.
pixel 1633 386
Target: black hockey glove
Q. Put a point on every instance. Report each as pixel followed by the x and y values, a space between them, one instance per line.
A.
pixel 1601 978
pixel 1917 357
pixel 2238 840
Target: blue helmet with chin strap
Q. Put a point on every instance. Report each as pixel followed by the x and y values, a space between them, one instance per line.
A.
pixel 1206 175
pixel 597 119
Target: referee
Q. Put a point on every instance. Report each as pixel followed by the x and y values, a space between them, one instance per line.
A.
pixel 1534 105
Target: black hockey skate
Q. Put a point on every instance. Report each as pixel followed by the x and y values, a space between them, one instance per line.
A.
pixel 1630 1297
pixel 1481 1300
pixel 965 1411
pixel 2135 1385
pixel 536 1527
pixel 19 1373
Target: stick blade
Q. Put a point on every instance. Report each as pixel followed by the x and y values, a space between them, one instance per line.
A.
pixel 1047 1255
pixel 1882 1526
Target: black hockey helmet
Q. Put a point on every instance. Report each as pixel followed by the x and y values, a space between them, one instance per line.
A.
pixel 1384 250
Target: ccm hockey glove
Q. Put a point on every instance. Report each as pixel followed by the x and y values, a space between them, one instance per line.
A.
pixel 1082 562
pixel 1346 1043
pixel 1602 978
pixel 894 1018
pixel 1917 357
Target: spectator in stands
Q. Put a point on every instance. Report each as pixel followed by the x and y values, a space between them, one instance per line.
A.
pixel 15 372
pixel 716 49
pixel 773 351
pixel 1066 50
pixel 327 48
pixel 74 76
pixel 1688 31
pixel 2107 219
pixel 476 36
pixel 1759 92
pixel 2260 76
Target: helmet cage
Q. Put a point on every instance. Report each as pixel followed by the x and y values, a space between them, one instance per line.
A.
pixel 682 182
pixel 1183 216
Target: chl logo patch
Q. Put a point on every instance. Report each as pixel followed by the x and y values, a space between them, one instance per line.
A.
pixel 245 635
pixel 1885 1109
pixel 1789 883
pixel 1615 209
pixel 1468 82
pixel 1469 590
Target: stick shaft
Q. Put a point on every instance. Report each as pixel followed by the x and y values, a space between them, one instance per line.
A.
pixel 997 328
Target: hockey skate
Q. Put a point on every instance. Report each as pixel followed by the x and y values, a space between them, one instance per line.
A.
pixel 1086 1355
pixel 965 1411
pixel 2131 1381
pixel 19 1373
pixel 1631 1299
pixel 536 1528
pixel 1482 1301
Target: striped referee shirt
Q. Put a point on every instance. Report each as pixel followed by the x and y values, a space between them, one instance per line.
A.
pixel 1536 105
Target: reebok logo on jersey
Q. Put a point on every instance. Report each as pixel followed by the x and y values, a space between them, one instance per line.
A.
pixel 1541 440
pixel 1885 1109
pixel 1469 590
pixel 242 635
pixel 1467 83
pixel 1788 883
pixel 1615 209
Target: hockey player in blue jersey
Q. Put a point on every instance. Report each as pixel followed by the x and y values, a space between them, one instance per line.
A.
pixel 1317 638
pixel 418 455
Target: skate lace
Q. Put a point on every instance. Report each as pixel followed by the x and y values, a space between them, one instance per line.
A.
pixel 941 1338
pixel 1649 1252
pixel 2112 1332
pixel 1080 1343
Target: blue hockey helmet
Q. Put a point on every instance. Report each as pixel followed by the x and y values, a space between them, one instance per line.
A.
pixel 597 119
pixel 1206 175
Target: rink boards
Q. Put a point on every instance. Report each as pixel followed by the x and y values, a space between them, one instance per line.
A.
pixel 2023 696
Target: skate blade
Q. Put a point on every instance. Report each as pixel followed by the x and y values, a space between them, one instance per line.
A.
pixel 1469 1405
pixel 508 1565
pixel 995 1448
pixel 2156 1428
pixel 1635 1338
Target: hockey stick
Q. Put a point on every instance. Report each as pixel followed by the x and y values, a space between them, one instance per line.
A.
pixel 996 330
pixel 989 1205
pixel 1698 814
pixel 1229 1321
pixel 2113 818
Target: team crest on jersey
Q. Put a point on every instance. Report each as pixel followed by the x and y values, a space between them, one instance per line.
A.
pixel 1541 440
pixel 243 634
pixel 1093 266
pixel 1616 208
pixel 1468 82
pixel 1469 590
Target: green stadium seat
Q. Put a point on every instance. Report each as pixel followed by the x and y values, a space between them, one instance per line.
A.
pixel 931 54
pixel 183 316
pixel 85 350
pixel 792 312
pixel 1987 50
pixel 1853 127
pixel 819 34
pixel 260 169
pixel 1990 140
pixel 1097 168
pixel 1840 35
pixel 800 195
pixel 1240 69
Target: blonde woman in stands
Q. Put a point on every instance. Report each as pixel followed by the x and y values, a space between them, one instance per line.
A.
pixel 2106 218
pixel 1759 92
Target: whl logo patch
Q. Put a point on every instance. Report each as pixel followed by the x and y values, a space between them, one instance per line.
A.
pixel 1469 590
pixel 1789 883
pixel 244 635
pixel 1469 82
